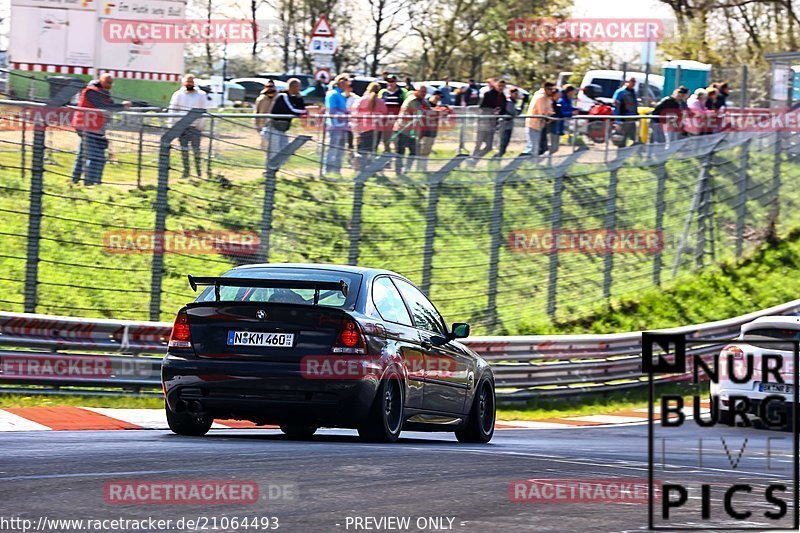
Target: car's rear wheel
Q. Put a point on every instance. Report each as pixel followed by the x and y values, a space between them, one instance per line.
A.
pixel 298 431
pixel 188 424
pixel 385 420
pixel 480 425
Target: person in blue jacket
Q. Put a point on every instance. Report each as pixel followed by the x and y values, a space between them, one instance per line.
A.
pixel 563 110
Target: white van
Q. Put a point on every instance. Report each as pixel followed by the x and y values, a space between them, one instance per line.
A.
pixel 611 80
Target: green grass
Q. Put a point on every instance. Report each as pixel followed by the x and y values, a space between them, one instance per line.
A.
pixel 34 400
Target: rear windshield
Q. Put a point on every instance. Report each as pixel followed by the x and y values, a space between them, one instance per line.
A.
pixel 756 337
pixel 289 296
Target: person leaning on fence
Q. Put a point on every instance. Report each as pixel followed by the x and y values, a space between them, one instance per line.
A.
pixel 626 105
pixel 493 104
pixel 91 156
pixel 542 105
pixel 408 128
pixel 697 122
pixel 184 99
pixel 433 113
pixel 337 125
pixel 394 96
pixel 370 122
pixel 264 104
pixel 506 125
pixel 563 111
pixel 668 126
pixel 288 102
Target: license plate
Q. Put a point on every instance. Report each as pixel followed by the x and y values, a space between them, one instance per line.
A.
pixel 781 388
pixel 255 338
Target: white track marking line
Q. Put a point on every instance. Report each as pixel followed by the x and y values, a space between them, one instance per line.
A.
pixel 12 422
pixel 527 424
pixel 608 419
pixel 144 418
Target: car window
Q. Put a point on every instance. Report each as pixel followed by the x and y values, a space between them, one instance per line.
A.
pixel 608 86
pixel 425 314
pixel 388 302
pixel 772 334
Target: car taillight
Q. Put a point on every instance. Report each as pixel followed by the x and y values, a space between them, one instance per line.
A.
pixel 181 336
pixel 350 339
pixel 732 351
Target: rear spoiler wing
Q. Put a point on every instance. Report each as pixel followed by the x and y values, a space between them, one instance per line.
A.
pixel 260 283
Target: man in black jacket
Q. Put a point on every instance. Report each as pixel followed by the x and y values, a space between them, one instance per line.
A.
pixel 670 111
pixel 492 105
pixel 288 102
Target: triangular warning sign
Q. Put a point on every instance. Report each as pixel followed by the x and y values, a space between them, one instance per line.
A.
pixel 322 28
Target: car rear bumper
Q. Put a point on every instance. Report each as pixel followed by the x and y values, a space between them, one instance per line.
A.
pixel 264 392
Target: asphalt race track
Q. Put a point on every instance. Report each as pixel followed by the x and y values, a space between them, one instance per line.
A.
pixel 334 479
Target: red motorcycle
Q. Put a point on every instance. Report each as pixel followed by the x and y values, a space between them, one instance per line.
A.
pixel 596 128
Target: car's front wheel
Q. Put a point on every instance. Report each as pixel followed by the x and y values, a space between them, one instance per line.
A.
pixel 188 424
pixel 480 425
pixel 385 420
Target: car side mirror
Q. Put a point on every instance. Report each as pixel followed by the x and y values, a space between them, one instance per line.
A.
pixel 460 330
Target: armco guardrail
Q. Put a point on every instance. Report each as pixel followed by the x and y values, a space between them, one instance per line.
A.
pixel 96 356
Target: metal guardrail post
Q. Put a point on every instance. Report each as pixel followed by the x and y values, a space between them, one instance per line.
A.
pixel 273 164
pixel 161 207
pixel 37 191
pixel 741 199
pixel 495 230
pixel 661 176
pixel 358 202
pixel 434 185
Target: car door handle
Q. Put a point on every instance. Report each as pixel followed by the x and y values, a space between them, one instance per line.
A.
pixel 426 344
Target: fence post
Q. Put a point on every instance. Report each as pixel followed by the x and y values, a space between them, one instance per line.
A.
pixel 495 229
pixel 661 175
pixel 37 191
pixel 611 218
pixel 555 226
pixel 434 185
pixel 358 201
pixel 273 164
pixel 741 201
pixel 776 185
pixel 322 146
pixel 210 155
pixel 161 208
pixel 23 154
pixel 139 155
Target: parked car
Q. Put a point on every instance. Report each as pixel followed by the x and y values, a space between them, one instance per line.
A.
pixel 305 346
pixel 233 92
pixel 611 80
pixel 758 340
pixel 254 86
pixel 359 83
pixel 306 80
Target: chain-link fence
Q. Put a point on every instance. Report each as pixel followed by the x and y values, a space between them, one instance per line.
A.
pixel 503 242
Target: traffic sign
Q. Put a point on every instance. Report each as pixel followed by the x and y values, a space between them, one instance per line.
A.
pixel 323 45
pixel 323 75
pixel 322 28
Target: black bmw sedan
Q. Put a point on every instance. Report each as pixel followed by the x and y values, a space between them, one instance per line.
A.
pixel 305 346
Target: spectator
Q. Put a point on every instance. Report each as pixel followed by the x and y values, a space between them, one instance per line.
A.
pixel 446 93
pixel 698 113
pixel 722 98
pixel 713 93
pixel 493 104
pixel 473 93
pixel 541 104
pixel 370 126
pixel 430 127
pixel 184 99
pixel 336 104
pixel 92 150
pixel 409 85
pixel 507 122
pixel 563 110
pixel 408 127
pixel 625 105
pixel 288 102
pixel 352 105
pixel 394 96
pixel 264 104
pixel 667 127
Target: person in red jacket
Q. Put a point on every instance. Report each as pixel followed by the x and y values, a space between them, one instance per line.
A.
pixel 92 151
